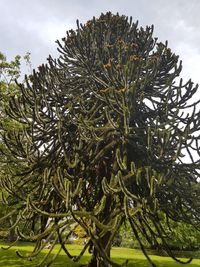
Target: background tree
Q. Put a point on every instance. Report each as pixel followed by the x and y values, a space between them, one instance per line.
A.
pixel 181 237
pixel 106 130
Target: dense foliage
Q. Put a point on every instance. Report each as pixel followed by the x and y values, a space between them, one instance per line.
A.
pixel 180 237
pixel 9 72
pixel 105 137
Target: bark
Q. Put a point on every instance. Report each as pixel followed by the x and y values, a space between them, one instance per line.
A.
pixel 11 234
pixel 95 260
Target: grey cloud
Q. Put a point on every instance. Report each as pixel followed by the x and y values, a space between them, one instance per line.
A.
pixel 35 25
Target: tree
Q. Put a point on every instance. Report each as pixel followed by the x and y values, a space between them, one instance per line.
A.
pixel 9 72
pixel 106 130
pixel 180 236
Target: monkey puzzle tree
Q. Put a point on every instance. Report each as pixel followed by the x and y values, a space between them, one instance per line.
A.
pixel 9 72
pixel 106 130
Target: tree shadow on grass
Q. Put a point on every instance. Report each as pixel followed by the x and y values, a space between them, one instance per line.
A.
pixel 161 262
pixel 9 258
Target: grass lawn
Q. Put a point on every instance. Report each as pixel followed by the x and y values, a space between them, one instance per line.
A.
pixel 8 258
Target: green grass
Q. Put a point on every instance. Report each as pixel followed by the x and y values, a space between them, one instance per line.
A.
pixel 8 258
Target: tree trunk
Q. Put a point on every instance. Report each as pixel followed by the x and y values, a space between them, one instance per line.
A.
pixel 11 234
pixel 97 261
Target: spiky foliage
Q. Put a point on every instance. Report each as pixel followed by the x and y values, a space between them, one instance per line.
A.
pixel 106 128
pixel 9 72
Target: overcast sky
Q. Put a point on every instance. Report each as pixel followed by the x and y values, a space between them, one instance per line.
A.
pixel 34 26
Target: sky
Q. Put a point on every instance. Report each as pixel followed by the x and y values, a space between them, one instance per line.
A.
pixel 34 26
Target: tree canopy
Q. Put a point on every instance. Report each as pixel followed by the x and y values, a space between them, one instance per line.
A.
pixel 9 72
pixel 106 130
